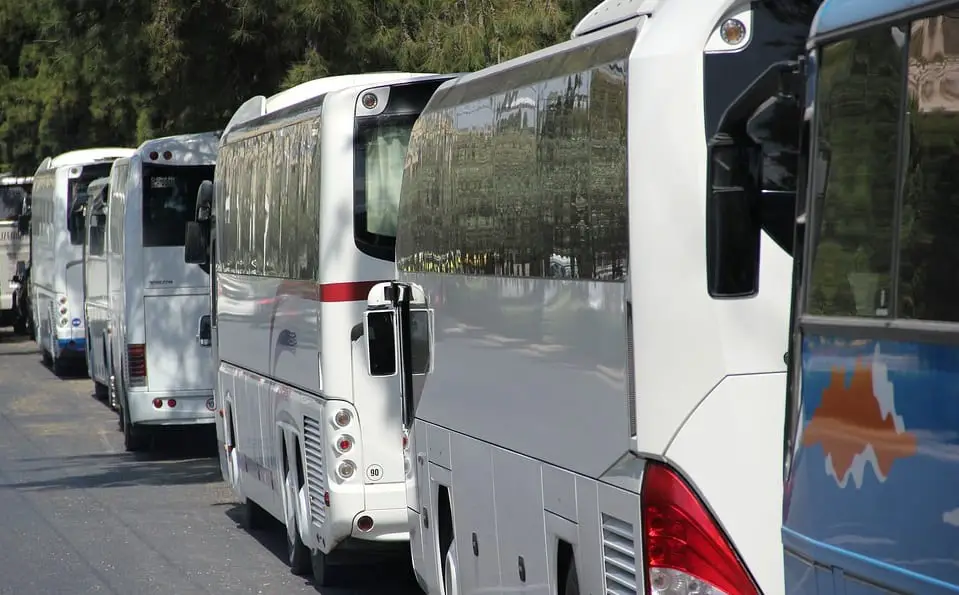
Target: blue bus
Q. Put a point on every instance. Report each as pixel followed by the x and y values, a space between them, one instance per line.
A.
pixel 871 502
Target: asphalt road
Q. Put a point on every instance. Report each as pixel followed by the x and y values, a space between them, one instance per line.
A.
pixel 78 515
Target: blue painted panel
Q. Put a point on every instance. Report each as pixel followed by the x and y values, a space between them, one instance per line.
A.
pixel 874 487
pixel 839 14
pixel 78 345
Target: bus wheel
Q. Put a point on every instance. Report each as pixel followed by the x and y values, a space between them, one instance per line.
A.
pixel 59 366
pixel 134 439
pixel 450 578
pixel 297 554
pixel 254 517
pixel 325 574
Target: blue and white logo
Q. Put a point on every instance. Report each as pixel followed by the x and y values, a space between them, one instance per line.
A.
pixel 76 322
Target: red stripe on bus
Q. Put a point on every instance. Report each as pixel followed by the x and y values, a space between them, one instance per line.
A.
pixel 353 291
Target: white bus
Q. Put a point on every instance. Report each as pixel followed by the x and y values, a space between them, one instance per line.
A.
pixel 305 196
pixel 602 233
pixel 14 245
pixel 56 275
pixel 96 303
pixel 159 373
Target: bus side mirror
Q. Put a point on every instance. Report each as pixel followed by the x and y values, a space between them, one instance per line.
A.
pixel 421 340
pixel 196 248
pixel 204 201
pixel 23 223
pixel 75 224
pixel 733 224
pixel 379 327
pixel 204 331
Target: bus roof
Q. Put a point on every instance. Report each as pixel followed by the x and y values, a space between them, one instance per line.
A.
pixel 84 156
pixel 612 12
pixel 185 149
pixel 840 17
pixel 260 106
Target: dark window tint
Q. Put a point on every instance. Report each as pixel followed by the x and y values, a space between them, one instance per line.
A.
pixel 78 192
pixel 929 232
pixel 380 154
pixel 860 90
pixel 779 33
pixel 11 202
pixel 169 201
pixel 97 235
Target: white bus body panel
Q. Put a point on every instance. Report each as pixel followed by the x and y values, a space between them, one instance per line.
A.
pixel 14 248
pixel 289 354
pixel 158 299
pixel 533 445
pixel 57 269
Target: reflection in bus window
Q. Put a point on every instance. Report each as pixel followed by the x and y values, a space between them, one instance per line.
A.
pixel 859 99
pixel 929 261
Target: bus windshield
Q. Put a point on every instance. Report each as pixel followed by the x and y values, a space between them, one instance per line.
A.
pixel 78 191
pixel 381 153
pixel 169 201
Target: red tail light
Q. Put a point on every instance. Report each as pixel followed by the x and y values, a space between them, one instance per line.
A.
pixel 137 362
pixel 686 551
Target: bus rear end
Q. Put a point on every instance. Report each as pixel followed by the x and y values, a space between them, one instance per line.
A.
pixel 14 245
pixel 869 506
pixel 71 334
pixel 166 297
pixel 377 122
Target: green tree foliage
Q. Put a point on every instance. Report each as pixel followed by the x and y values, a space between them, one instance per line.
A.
pixel 79 73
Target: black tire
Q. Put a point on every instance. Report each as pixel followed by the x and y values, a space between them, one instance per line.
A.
pixel 134 439
pixel 325 574
pixel 47 358
pixel 101 391
pixel 254 517
pixel 297 554
pixel 59 366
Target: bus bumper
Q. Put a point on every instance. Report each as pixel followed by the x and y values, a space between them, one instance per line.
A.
pixel 384 504
pixel 71 346
pixel 176 408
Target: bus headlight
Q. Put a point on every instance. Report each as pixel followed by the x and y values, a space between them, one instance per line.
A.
pixel 346 469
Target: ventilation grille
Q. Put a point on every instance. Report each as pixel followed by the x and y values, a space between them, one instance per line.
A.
pixel 315 474
pixel 619 556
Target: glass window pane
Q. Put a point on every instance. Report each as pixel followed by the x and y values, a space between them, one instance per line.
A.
pixel 929 263
pixel 858 109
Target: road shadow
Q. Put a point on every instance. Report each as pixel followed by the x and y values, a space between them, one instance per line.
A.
pixel 389 577
pixel 182 456
pixel 112 471
pixel 75 368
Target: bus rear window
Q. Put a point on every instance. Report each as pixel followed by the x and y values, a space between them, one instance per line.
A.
pixel 11 202
pixel 169 201
pixel 380 154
